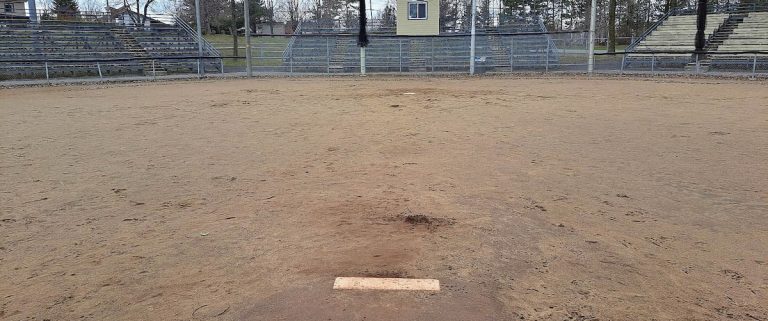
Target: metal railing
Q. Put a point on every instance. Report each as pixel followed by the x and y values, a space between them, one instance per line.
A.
pixel 207 47
pixel 16 69
pixel 292 40
pixel 648 31
pixel 339 53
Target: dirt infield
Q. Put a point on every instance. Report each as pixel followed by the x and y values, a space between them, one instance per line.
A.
pixel 535 199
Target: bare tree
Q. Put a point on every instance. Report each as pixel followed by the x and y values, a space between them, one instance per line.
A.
pixel 291 7
pixel 139 18
pixel 233 28
pixel 91 5
pixel 612 26
pixel 269 5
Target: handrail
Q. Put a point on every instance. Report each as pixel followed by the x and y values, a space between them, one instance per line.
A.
pixel 653 28
pixel 206 45
pixel 550 44
pixel 289 46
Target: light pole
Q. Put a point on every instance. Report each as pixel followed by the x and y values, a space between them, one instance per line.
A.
pixel 199 38
pixel 32 10
pixel 593 17
pixel 247 16
pixel 472 40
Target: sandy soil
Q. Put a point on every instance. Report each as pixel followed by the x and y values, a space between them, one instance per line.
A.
pixel 549 199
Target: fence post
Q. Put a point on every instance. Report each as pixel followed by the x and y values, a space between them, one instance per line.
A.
pixel 754 65
pixel 198 67
pixel 98 66
pixel 432 60
pixel 400 54
pixel 154 71
pixel 46 72
pixel 653 62
pixel 290 55
pixel 221 62
pixel 328 55
pixel 623 60
pixel 697 64
pixel 547 57
pixel 511 53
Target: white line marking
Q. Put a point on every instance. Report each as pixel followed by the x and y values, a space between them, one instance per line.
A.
pixel 359 283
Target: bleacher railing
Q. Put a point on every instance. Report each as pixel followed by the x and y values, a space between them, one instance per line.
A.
pixel 208 49
pixel 18 69
pixel 648 31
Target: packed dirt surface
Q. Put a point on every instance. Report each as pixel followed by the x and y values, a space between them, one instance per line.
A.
pixel 535 199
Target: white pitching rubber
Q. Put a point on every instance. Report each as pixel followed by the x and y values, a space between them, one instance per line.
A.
pixel 358 283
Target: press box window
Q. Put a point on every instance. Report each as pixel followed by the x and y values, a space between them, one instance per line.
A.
pixel 9 8
pixel 417 10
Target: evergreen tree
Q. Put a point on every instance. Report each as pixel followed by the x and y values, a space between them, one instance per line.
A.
pixel 65 9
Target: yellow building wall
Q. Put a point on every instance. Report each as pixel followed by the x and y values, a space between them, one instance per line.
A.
pixel 428 27
pixel 18 7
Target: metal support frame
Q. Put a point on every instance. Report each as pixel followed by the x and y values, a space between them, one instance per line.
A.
pixel 98 67
pixel 47 77
pixel 653 63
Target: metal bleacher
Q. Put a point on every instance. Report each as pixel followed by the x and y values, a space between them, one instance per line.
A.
pixel 750 35
pixel 526 51
pixel 323 47
pixel 675 33
pixel 68 49
pixel 174 48
pixel 78 49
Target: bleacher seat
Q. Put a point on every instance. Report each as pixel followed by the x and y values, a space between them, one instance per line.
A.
pixel 318 47
pixel 169 42
pixel 73 49
pixel 25 47
pixel 750 35
pixel 676 33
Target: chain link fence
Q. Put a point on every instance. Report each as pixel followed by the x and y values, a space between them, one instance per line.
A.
pixel 339 54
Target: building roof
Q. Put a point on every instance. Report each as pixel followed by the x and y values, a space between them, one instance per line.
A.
pixel 115 12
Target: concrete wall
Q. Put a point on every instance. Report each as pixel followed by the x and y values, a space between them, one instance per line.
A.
pixel 428 27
